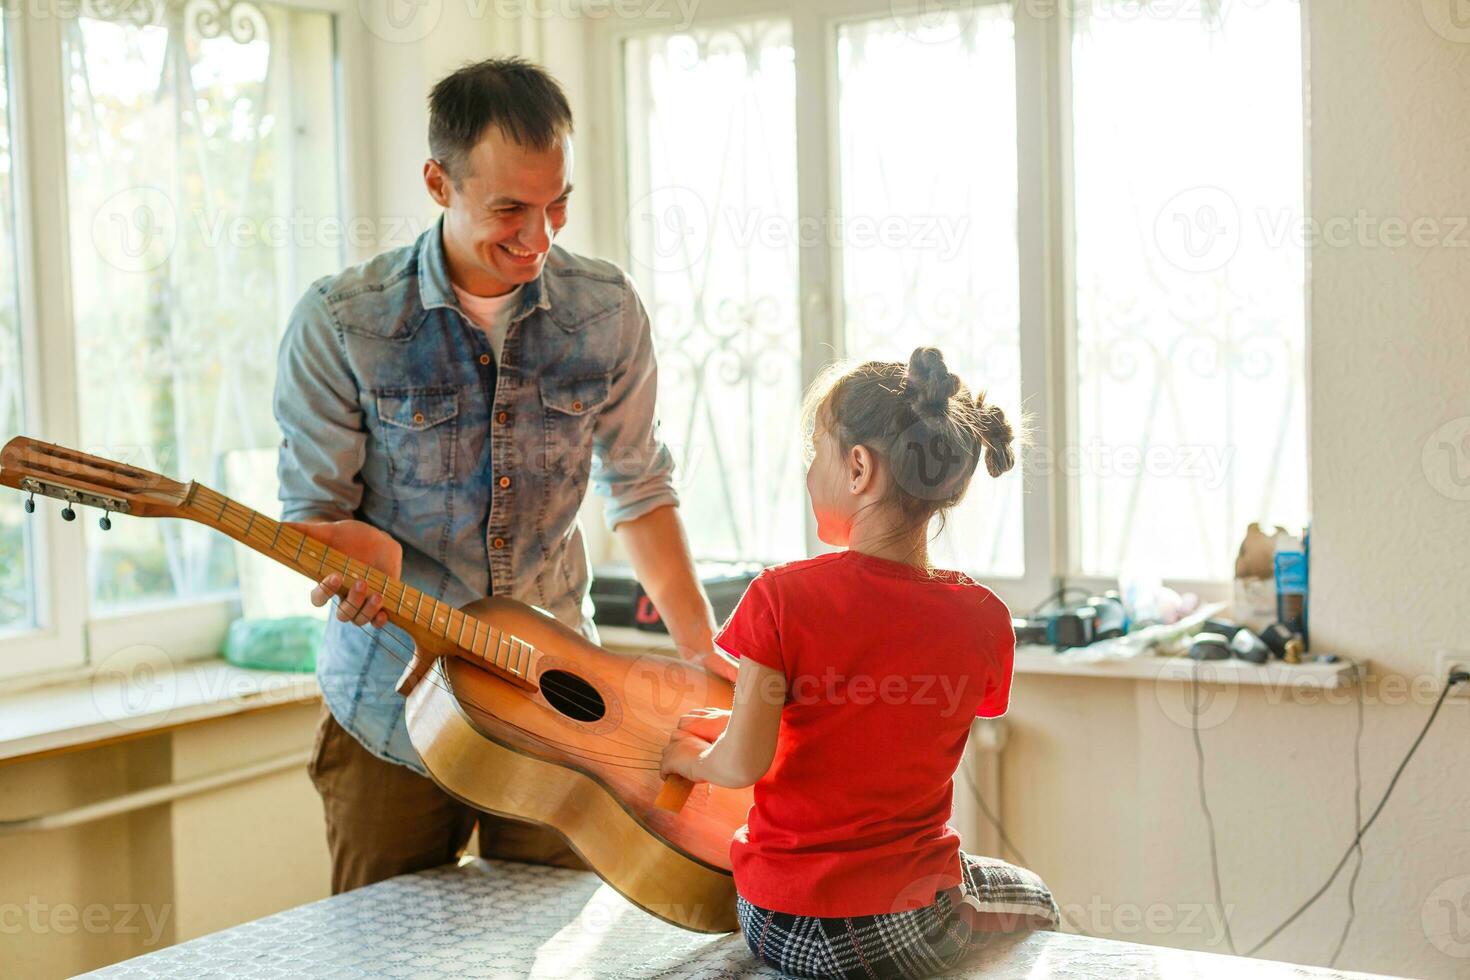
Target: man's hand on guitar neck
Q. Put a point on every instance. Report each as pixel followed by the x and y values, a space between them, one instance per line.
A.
pixel 367 544
pixel 376 548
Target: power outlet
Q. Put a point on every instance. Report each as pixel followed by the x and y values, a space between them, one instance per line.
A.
pixel 1447 660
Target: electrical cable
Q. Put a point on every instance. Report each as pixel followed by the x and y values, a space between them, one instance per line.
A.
pixel 1199 754
pixel 1458 677
pixel 1005 841
pixel 1352 892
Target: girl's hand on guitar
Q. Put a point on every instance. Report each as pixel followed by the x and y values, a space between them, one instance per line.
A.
pixel 367 544
pixel 681 756
pixel 706 723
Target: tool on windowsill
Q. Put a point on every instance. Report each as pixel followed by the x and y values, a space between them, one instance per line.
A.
pixel 1080 624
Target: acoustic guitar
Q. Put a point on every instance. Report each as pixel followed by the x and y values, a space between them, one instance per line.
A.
pixel 519 715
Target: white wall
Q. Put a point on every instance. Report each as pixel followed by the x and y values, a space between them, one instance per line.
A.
pixel 1100 776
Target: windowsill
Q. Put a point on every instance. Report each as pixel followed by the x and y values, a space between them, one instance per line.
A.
pixel 1045 660
pixel 113 707
pixel 1031 659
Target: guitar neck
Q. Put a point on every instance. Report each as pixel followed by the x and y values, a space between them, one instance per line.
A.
pixel 418 614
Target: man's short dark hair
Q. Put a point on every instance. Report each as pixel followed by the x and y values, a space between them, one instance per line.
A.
pixel 519 97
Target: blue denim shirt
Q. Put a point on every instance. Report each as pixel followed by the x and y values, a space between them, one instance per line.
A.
pixel 393 412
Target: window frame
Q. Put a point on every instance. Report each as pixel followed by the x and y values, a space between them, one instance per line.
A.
pixel 70 639
pixel 1045 229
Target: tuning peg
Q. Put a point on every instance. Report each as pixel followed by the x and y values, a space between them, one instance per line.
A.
pixel 105 523
pixel 31 504
pixel 67 514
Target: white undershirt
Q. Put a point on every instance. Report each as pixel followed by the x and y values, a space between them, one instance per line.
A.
pixel 491 314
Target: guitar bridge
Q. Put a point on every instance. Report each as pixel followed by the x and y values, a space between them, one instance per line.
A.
pixel 113 504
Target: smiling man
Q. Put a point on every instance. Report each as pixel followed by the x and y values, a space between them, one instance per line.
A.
pixel 444 408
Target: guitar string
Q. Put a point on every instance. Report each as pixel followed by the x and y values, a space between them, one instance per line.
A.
pixel 549 683
pixel 404 657
pixel 557 688
pixel 651 764
pixel 392 638
pixel 246 532
pixel 554 686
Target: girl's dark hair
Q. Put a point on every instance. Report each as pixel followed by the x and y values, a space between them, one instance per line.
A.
pixel 921 420
pixel 518 97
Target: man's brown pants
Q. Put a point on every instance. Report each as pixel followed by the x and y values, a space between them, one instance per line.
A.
pixel 385 819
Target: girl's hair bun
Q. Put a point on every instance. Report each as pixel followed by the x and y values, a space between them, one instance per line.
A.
pixel 997 435
pixel 928 383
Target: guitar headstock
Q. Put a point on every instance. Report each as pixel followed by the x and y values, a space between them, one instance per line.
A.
pixel 48 470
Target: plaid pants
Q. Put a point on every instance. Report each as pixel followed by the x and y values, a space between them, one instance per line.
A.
pixel 994 897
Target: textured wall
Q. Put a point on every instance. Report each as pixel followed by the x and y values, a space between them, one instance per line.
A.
pixel 77 899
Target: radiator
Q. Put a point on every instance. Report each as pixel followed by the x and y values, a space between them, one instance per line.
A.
pixel 982 763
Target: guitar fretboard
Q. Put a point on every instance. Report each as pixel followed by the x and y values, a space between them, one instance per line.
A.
pixel 498 649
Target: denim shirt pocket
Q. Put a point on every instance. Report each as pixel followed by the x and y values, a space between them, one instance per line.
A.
pixel 571 406
pixel 417 427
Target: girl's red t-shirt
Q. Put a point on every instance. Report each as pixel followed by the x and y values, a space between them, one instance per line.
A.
pixel 886 665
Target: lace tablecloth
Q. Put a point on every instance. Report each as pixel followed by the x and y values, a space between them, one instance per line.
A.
pixel 505 920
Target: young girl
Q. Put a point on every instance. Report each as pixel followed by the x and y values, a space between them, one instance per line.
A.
pixel 859 675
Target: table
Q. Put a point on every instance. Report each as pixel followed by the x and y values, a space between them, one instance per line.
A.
pixel 500 919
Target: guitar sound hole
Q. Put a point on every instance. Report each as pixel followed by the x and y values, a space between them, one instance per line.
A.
pixel 572 696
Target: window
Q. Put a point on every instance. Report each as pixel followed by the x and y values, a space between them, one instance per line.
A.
pixel 1190 416
pixel 1115 260
pixel 17 572
pixel 168 189
pixel 929 241
pixel 201 179
pixel 711 231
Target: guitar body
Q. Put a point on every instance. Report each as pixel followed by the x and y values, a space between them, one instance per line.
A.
pixel 579 754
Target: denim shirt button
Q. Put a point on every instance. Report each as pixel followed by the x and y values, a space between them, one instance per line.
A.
pixel 484 358
pixel 505 483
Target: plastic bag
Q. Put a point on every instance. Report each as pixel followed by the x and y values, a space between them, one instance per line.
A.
pixel 288 643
